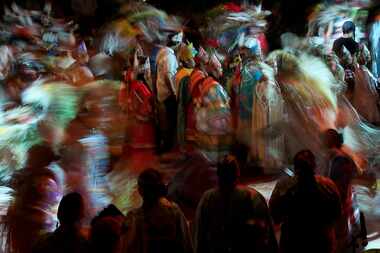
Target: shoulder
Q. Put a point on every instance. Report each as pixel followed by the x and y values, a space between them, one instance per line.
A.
pixel 285 184
pixel 209 194
pixel 327 184
pixel 250 194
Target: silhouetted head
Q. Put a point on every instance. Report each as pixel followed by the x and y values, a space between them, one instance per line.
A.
pixel 40 156
pixel 228 172
pixel 106 229
pixel 304 164
pixel 110 211
pixel 333 139
pixel 71 209
pixel 105 234
pixel 151 185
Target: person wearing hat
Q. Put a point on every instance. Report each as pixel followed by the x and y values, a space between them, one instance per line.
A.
pixel 182 79
pixel 233 218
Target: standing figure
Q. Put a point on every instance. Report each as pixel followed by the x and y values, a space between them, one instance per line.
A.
pixel 350 228
pixel 138 102
pixel 346 49
pixel 166 68
pixel 233 218
pixel 249 76
pixel 69 236
pixel 213 115
pixel 159 224
pixel 307 207
pixel 268 108
pixel 182 78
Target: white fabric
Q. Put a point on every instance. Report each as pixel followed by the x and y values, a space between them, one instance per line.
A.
pixel 166 70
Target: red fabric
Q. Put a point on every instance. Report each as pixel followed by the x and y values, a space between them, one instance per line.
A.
pixel 142 135
pixel 140 98
pixel 263 43
pixel 140 109
pixel 213 43
pixel 232 7
pixel 23 31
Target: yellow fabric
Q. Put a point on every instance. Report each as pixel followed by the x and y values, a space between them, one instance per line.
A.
pixel 183 72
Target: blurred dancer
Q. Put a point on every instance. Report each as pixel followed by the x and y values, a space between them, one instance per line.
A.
pixel 185 55
pixel 249 76
pixel 212 113
pixel 166 68
pixel 37 191
pixel 137 99
pixel 365 87
pixel 309 101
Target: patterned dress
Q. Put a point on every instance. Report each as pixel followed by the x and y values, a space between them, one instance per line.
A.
pixel 213 119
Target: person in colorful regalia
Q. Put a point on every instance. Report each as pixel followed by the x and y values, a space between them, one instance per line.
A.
pixel 195 81
pixel 182 81
pixel 213 135
pixel 246 80
pixel 137 99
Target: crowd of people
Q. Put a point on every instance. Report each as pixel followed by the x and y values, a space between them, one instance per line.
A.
pixel 68 101
pixel 229 218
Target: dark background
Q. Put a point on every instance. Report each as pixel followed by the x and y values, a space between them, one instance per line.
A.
pixel 287 15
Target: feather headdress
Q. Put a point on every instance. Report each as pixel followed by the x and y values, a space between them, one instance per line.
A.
pixel 139 20
pixel 225 23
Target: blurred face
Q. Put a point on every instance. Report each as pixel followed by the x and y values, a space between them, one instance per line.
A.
pixel 244 53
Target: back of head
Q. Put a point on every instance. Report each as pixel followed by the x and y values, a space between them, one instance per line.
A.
pixel 71 209
pixel 151 185
pixel 228 172
pixel 348 27
pixel 304 164
pixel 110 211
pixel 40 156
pixel 105 234
pixel 333 139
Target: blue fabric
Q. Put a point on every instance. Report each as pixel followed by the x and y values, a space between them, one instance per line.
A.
pixel 250 77
pixel 153 60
